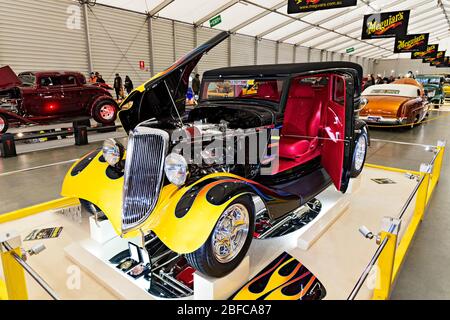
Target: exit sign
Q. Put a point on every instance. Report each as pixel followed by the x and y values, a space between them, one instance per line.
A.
pixel 215 21
pixel 350 50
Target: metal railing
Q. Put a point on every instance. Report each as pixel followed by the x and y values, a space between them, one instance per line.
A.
pixel 41 282
pixel 390 261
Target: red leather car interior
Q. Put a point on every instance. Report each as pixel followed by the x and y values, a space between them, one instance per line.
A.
pixel 269 91
pixel 301 127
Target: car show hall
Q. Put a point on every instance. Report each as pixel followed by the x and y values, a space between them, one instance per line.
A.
pixel 224 150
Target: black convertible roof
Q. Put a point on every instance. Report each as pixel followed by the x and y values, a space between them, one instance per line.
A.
pixel 282 69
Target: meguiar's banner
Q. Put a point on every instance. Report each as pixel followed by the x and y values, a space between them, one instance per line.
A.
pixel 297 6
pixel 411 43
pixel 445 64
pixel 430 52
pixel 385 24
pixel 439 59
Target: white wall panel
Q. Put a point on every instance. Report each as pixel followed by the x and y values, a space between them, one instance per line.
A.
pixel 301 54
pixel 285 53
pixel 163 45
pixel 119 41
pixel 34 35
pixel 242 50
pixel 315 55
pixel 402 66
pixel 217 57
pixel 184 39
pixel 266 52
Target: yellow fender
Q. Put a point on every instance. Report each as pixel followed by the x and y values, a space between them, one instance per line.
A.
pixel 182 235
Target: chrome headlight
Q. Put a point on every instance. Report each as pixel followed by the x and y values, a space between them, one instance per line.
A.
pixel 113 151
pixel 176 169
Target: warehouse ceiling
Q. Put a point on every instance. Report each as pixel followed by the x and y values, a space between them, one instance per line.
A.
pixel 333 30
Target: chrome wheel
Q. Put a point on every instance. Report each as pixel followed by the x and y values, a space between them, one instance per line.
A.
pixel 107 112
pixel 230 233
pixel 360 152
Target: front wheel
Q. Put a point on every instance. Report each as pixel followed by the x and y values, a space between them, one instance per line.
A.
pixel 3 124
pixel 360 153
pixel 105 111
pixel 228 242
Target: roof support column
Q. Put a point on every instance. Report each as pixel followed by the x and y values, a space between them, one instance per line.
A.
pixel 256 51
pixel 150 45
pixel 196 45
pixel 308 57
pixel 277 52
pixel 88 38
pixel 174 35
pixel 229 50
pixel 294 58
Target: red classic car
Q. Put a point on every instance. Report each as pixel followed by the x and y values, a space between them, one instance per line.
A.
pixel 46 96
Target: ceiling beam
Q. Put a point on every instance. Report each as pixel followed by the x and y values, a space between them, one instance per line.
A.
pixel 214 13
pixel 389 6
pixel 257 17
pixel 282 25
pixel 309 23
pixel 159 7
pixel 355 20
pixel 299 32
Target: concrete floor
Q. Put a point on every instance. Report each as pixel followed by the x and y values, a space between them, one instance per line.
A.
pixel 425 274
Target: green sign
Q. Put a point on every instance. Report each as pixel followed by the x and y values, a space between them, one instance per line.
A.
pixel 350 50
pixel 215 21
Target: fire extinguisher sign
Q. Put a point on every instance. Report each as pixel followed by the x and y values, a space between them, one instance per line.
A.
pixel 298 6
pixel 142 65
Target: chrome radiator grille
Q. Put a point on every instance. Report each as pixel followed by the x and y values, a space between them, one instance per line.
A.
pixel 144 173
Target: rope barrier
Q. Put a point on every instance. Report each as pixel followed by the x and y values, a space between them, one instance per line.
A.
pixel 411 124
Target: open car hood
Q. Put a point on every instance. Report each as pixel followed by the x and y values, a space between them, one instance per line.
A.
pixel 8 79
pixel 153 100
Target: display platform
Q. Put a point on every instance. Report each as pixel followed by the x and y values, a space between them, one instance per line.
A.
pixel 331 247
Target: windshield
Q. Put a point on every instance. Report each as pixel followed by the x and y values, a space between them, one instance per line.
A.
pixel 243 89
pixel 425 81
pixel 27 79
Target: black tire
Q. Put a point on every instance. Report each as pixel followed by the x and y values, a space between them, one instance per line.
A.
pixel 204 259
pixel 356 171
pixel 105 118
pixel 4 125
pixel 90 207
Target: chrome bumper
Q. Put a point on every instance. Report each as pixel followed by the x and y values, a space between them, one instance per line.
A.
pixel 383 120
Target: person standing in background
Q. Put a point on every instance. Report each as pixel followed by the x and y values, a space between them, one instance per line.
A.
pixel 92 78
pixel 369 82
pixel 196 84
pixel 118 86
pixel 128 84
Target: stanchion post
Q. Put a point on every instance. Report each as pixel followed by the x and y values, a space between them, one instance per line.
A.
pixel 14 274
pixel 81 135
pixel 390 229
pixel 7 145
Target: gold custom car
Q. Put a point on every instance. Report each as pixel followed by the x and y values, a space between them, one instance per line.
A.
pixel 399 103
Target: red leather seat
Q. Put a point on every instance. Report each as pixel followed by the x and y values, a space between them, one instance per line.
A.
pixel 301 126
pixel 269 91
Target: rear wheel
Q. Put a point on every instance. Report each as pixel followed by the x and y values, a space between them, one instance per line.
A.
pixel 105 111
pixel 228 242
pixel 4 125
pixel 360 153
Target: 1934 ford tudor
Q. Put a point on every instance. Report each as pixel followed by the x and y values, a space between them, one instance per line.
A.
pixel 301 117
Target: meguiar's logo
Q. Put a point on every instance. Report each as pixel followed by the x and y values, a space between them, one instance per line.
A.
pixel 381 27
pixel 430 49
pixel 412 43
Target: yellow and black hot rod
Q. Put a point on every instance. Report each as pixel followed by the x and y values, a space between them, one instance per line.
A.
pixel 262 140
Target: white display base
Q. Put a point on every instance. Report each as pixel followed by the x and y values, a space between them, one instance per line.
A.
pixel 93 254
pixel 207 288
pixel 101 231
pixel 337 258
